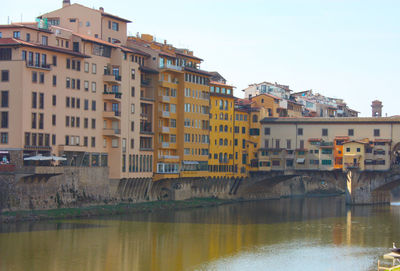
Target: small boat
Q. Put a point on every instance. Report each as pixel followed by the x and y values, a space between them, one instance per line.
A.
pixel 395 249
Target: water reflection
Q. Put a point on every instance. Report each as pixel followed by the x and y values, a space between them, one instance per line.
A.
pixel 309 232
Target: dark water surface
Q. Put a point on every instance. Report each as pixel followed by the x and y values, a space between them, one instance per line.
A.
pixel 287 234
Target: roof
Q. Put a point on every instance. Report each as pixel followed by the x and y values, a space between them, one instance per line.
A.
pixel 17 42
pixel 356 141
pixel 220 84
pixel 25 25
pixel 96 40
pixel 319 120
pixel 148 70
pixel 189 69
pixel 189 56
pixel 134 50
pixel 265 94
pixel 383 140
pixel 105 14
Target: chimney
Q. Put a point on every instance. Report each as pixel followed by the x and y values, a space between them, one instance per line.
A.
pixel 66 3
pixel 101 9
pixel 165 42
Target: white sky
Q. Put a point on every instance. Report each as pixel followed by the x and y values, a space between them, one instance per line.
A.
pixel 341 48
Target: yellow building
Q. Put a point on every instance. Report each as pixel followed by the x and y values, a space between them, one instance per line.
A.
pixel 354 154
pixel 182 114
pixel 221 159
pixel 241 136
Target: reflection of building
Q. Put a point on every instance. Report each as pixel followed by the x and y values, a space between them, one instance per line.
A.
pixel 328 144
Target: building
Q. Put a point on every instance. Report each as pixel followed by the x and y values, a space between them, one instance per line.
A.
pixel 329 144
pixel 183 102
pixel 69 88
pixel 278 90
pixel 222 161
pixel 376 108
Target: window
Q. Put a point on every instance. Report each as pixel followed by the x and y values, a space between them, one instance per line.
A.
pixel 4 119
pixel 4 138
pixel 93 105
pixel 16 34
pixel 53 120
pixel 288 144
pixel 93 141
pixel 34 100
pixel 41 78
pixel 45 40
pixel 267 131
pixel 4 98
pixel 93 86
pixel 347 149
pixel 86 67
pixel 299 131
pixel 324 132
pixel 54 80
pixel 41 100
pixel 326 151
pixel 133 74
pixel 33 121
pixel 377 132
pixel 133 92
pixel 358 149
pixel 115 26
pixel 132 108
pixel 302 144
pixel 93 123
pixel 94 68
pixel 34 77
pixel 255 118
pixel 4 76
pixel 86 85
pixel 5 53
pixel 326 162
pixel 54 60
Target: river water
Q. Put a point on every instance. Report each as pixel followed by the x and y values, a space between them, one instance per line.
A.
pixel 287 234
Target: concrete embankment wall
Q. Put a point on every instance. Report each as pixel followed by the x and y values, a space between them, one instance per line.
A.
pixel 75 187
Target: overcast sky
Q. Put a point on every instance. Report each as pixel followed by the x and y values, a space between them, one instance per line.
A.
pixel 340 48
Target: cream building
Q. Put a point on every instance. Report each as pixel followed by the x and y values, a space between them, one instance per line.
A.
pixel 329 144
pixel 69 87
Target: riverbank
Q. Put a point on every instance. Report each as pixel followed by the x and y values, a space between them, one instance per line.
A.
pixel 110 210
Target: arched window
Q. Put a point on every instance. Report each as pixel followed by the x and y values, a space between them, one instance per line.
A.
pixel 221 142
pixel 226 105
pixel 226 142
pixel 226 128
pixel 255 118
pixel 221 104
pixel 221 128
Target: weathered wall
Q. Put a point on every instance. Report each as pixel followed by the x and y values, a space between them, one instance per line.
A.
pixel 74 187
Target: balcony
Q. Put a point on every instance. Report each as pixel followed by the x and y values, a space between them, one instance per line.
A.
pixel 223 160
pixel 145 82
pixel 165 144
pixel 166 114
pixel 171 67
pixel 146 98
pixel 112 115
pixel 112 96
pixel 165 99
pixel 326 144
pixel 165 129
pixel 111 132
pixel 42 66
pixel 111 78
pixel 168 157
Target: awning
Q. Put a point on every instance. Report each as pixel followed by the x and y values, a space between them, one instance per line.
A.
pixel 300 160
pixel 38 158
pixel 190 162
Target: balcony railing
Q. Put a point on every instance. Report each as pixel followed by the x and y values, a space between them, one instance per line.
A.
pixel 111 132
pixel 168 156
pixel 165 129
pixel 166 114
pixel 170 66
pixel 165 144
pixel 326 143
pixel 165 98
pixel 42 66
pixel 117 95
pixel 352 165
pixel 224 160
pixel 146 82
